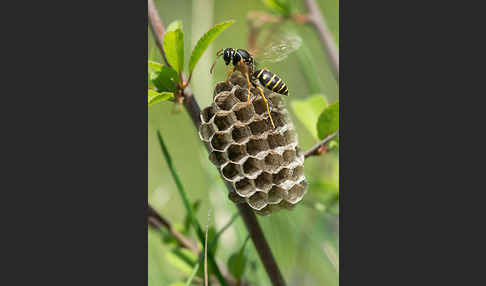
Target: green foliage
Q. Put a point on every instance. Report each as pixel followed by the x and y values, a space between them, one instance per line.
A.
pixel 177 24
pixel 237 262
pixel 328 121
pixel 154 96
pixel 174 48
pixel 182 259
pixel 204 42
pixel 188 219
pixel 193 274
pixel 308 111
pixel 177 284
pixel 280 7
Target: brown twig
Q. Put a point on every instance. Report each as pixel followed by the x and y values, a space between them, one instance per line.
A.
pixel 319 148
pixel 317 20
pixel 158 27
pixel 157 221
pixel 246 212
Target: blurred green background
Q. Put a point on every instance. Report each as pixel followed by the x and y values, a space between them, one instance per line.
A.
pixel 303 239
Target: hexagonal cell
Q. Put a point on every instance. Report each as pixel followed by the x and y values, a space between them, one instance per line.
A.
pixel 221 140
pixel 234 197
pixel 222 86
pixel 276 195
pixel 256 146
pixel 279 118
pixel 252 166
pixel 260 106
pixel 237 78
pixel 276 140
pixel 241 94
pixel 276 100
pixel 218 158
pixel 245 187
pixel 258 200
pixel 225 100
pixel 296 193
pixel 206 131
pixel 224 121
pixel 290 136
pixel 259 127
pixel 273 162
pixel 264 181
pixel 231 171
pixel 282 176
pixel 298 173
pixel 244 112
pixel 207 113
pixel 289 156
pixel 240 134
pixel 236 153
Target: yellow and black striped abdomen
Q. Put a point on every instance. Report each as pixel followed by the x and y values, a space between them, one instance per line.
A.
pixel 271 81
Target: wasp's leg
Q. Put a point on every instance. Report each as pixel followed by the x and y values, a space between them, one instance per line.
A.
pixel 266 102
pixel 249 84
pixel 229 74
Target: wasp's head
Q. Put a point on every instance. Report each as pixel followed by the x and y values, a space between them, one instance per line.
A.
pixel 228 55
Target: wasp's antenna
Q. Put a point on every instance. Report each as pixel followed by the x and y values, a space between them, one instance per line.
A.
pixel 218 54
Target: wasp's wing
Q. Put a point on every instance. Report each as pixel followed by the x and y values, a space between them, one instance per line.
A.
pixel 279 50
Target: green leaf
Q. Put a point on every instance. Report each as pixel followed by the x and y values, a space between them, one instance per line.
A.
pixel 328 121
pixel 193 274
pixel 237 262
pixel 166 80
pixel 177 284
pixel 308 111
pixel 188 219
pixel 182 259
pixel 155 97
pixel 153 71
pixel 204 42
pixel 174 49
pixel 281 7
pixel 177 24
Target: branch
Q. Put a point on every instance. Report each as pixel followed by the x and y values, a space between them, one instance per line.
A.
pixel 157 28
pixel 317 20
pixel 156 220
pixel 319 148
pixel 246 212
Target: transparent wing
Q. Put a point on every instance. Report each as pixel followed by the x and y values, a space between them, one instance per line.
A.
pixel 279 49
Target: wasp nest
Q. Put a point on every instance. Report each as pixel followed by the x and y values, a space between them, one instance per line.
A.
pixel 264 164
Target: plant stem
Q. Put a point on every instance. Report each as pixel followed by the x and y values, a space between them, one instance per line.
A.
pixel 317 20
pixel 157 221
pixel 246 212
pixel 318 148
pixel 158 27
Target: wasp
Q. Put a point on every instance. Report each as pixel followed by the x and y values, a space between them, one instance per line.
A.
pixel 244 62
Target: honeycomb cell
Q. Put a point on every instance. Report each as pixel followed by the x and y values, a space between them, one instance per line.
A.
pixel 218 158
pixel 220 141
pixel 244 112
pixel 260 106
pixel 273 162
pixel 206 131
pixel 296 193
pixel 276 195
pixel 258 200
pixel 242 94
pixel 282 176
pixel 222 86
pixel 298 173
pixel 234 197
pixel 286 205
pixel 207 114
pixel 276 140
pixel 238 79
pixel 236 153
pixel 225 100
pixel 279 119
pixel 289 156
pixel 224 121
pixel 240 134
pixel 252 167
pixel 259 127
pixel 264 182
pixel 231 171
pixel 290 136
pixel 245 187
pixel 256 146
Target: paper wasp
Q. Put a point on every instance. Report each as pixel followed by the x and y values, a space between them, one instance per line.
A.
pixel 244 62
